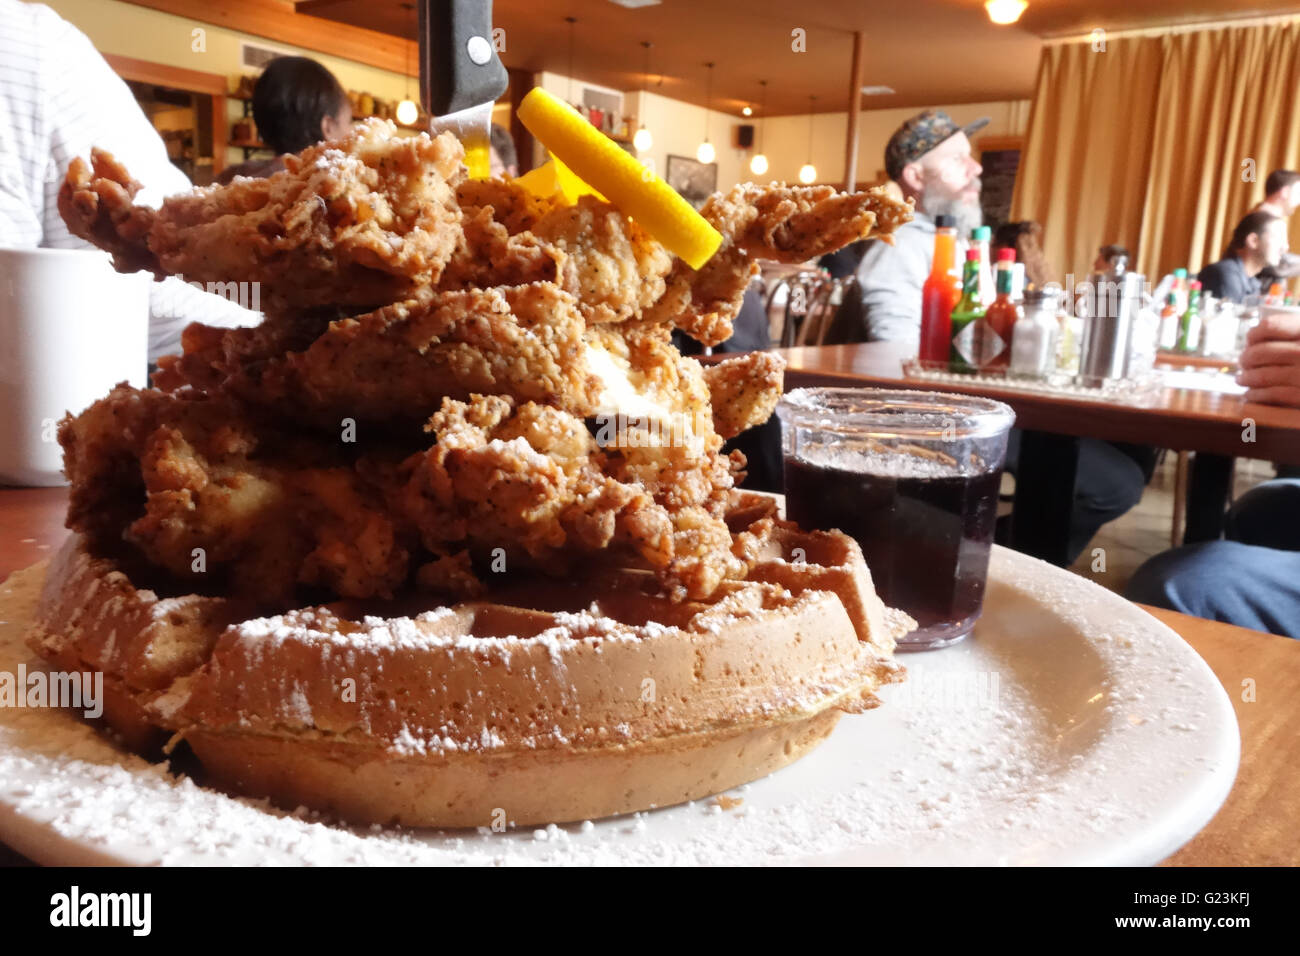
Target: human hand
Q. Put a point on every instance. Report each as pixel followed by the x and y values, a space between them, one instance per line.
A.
pixel 1270 362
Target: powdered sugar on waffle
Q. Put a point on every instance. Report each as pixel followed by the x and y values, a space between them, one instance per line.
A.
pixel 1023 774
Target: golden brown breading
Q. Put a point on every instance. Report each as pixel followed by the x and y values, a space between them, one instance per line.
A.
pixel 210 498
pixel 395 365
pixel 361 221
pixel 784 223
pixel 513 206
pixel 743 391
pixel 611 266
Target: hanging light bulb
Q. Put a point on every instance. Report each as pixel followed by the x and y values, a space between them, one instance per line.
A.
pixel 808 172
pixel 641 139
pixel 705 153
pixel 758 162
pixel 1005 11
pixel 747 111
pixel 407 111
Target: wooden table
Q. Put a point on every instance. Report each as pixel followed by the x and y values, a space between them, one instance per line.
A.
pixel 1218 427
pixel 1181 419
pixel 1256 826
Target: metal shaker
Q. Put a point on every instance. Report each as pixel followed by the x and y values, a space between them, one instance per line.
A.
pixel 1109 327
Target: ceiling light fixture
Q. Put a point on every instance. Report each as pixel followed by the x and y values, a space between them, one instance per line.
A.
pixel 1005 11
pixel 758 163
pixel 808 172
pixel 407 111
pixel 642 140
pixel 877 90
pixel 706 153
pixel 747 111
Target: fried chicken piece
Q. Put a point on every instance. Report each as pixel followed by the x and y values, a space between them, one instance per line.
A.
pixel 97 201
pixel 531 481
pixel 394 366
pixel 784 223
pixel 209 497
pixel 488 254
pixel 744 390
pixel 611 265
pixel 360 221
pixel 517 209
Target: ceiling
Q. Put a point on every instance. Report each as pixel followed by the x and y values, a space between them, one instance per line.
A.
pixel 940 51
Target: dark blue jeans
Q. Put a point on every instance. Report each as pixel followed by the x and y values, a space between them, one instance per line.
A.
pixel 1252 579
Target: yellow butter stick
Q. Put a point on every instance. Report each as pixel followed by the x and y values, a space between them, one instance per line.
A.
pixel 600 163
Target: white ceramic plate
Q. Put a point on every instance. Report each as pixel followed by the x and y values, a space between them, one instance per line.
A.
pixel 1072 728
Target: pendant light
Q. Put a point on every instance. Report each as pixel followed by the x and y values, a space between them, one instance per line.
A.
pixel 407 111
pixel 642 140
pixel 808 174
pixel 758 162
pixel 705 153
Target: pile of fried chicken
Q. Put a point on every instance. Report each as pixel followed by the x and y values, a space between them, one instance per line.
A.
pixel 420 406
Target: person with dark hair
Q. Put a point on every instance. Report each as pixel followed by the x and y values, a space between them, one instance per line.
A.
pixel 1107 255
pixel 1258 241
pixel 296 104
pixel 1281 193
pixel 1281 198
pixel 1026 238
pixel 505 158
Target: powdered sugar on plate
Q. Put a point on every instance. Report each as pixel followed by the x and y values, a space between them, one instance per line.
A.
pixel 1073 728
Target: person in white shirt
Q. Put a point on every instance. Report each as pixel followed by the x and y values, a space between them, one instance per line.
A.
pixel 58 98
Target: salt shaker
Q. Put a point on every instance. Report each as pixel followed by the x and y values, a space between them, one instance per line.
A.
pixel 1033 340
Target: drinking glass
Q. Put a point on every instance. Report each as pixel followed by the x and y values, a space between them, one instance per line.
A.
pixel 913 477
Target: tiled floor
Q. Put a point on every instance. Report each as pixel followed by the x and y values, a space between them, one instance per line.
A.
pixel 1121 546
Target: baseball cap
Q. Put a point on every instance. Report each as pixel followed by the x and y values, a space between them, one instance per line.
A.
pixel 920 134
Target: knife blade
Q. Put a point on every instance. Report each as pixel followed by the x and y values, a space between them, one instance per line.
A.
pixel 461 75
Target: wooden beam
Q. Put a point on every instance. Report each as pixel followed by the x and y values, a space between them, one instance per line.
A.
pixel 521 81
pixel 277 21
pixel 144 71
pixel 855 108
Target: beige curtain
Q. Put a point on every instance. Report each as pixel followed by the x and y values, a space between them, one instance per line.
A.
pixel 1160 143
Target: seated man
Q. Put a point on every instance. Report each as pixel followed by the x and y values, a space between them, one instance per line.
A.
pixel 1259 241
pixel 1253 578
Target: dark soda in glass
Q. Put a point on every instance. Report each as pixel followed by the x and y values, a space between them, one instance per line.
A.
pixel 926 539
pixel 913 476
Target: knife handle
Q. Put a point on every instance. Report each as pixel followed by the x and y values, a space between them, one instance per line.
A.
pixel 459 66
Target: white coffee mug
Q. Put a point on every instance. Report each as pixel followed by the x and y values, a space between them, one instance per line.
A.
pixel 70 329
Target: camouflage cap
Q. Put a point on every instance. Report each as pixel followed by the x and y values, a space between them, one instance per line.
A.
pixel 920 134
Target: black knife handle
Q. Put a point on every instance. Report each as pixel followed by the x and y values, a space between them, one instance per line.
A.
pixel 450 80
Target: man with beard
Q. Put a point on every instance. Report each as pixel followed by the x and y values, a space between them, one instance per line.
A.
pixel 929 158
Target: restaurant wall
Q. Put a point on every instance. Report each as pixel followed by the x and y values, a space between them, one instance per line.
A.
pixel 146 34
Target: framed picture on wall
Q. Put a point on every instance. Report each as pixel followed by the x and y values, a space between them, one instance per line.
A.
pixel 695 181
pixel 1000 157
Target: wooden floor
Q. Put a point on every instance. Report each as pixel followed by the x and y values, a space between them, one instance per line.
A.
pixel 1144 531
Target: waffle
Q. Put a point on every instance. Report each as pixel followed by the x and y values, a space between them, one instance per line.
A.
pixel 550 701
